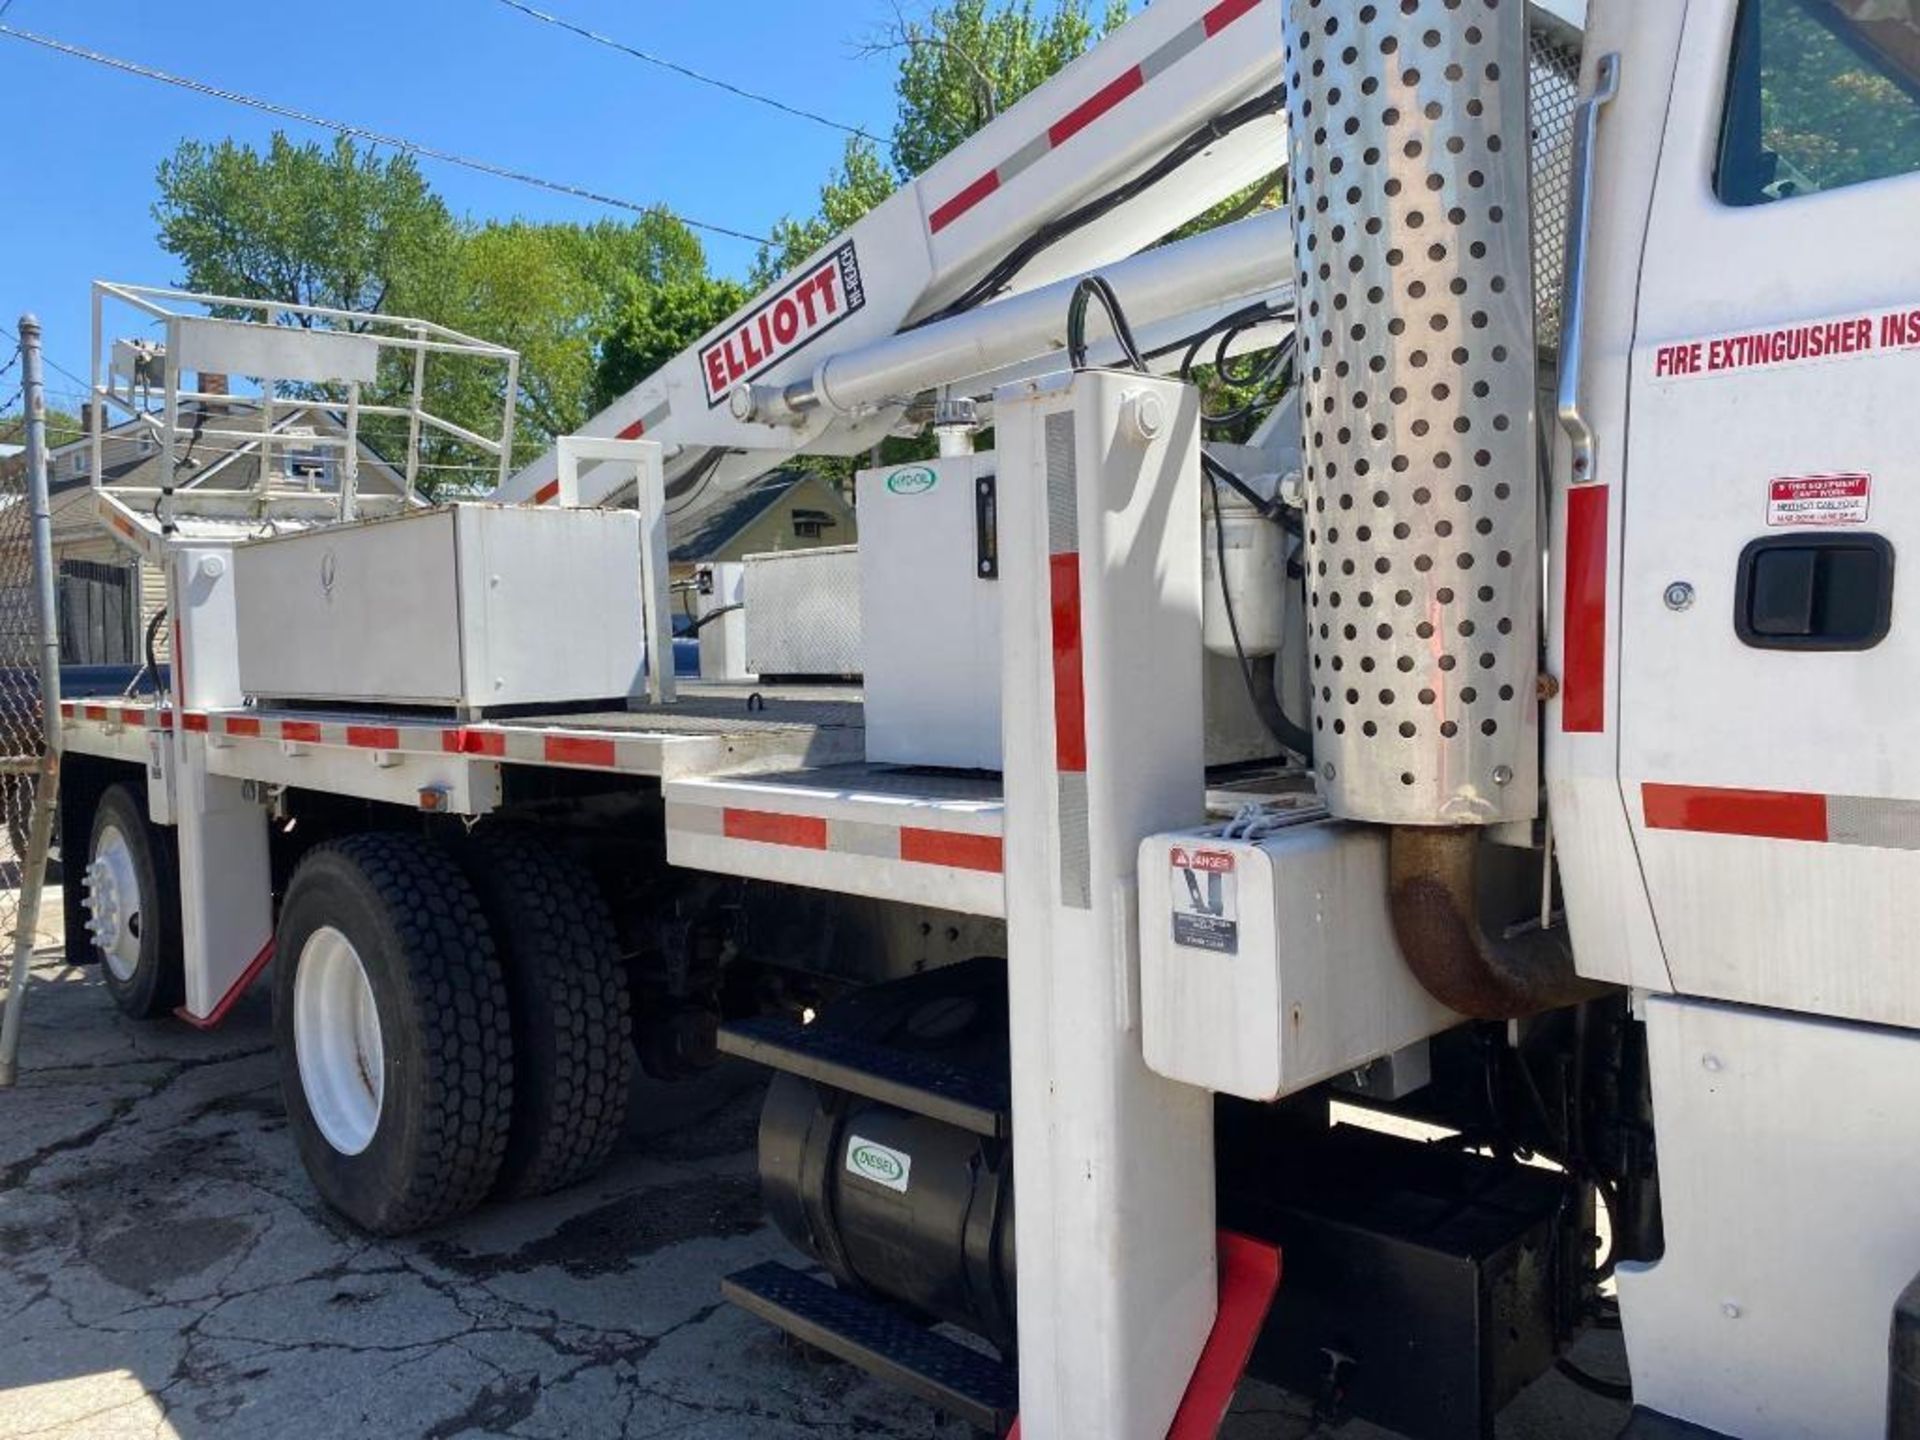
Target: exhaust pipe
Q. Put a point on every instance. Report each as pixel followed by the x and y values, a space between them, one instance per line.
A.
pixel 1434 898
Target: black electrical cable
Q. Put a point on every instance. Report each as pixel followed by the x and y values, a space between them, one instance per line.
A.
pixel 1095 287
pixel 1003 273
pixel 152 648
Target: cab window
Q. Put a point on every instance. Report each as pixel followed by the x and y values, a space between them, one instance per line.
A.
pixel 1824 94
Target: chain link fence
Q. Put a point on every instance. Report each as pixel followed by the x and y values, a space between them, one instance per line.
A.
pixel 21 742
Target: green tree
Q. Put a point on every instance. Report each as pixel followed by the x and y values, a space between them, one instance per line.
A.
pixel 342 228
pixel 554 293
pixel 62 428
pixel 336 227
pixel 967 62
pixel 654 323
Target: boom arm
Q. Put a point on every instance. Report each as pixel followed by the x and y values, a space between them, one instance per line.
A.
pixel 1171 114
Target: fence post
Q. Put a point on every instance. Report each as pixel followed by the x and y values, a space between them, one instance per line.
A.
pixel 33 865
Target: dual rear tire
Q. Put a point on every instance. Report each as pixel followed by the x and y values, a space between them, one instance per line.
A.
pixel 451 1024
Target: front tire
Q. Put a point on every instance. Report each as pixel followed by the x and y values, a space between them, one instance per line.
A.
pixel 132 903
pixel 390 1019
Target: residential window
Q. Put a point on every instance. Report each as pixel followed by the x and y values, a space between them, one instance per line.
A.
pixel 1824 94
pixel 811 524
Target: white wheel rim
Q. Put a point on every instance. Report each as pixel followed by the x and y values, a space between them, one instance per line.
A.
pixel 115 908
pixel 336 1039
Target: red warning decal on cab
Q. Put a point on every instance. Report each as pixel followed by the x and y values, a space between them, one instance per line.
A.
pixel 806 309
pixel 1820 500
pixel 1877 332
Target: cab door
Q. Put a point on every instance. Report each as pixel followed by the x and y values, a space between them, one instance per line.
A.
pixel 1770 577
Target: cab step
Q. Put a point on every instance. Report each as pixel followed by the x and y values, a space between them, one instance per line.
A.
pixel 881 1341
pixel 958 1096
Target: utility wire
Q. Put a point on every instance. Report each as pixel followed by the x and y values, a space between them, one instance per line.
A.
pixel 678 69
pixel 51 362
pixel 394 142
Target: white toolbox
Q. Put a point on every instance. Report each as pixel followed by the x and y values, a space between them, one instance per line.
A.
pixel 1270 965
pixel 803 612
pixel 470 607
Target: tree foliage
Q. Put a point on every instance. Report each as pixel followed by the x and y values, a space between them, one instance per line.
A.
pixel 967 62
pixel 654 323
pixel 342 228
pixel 337 227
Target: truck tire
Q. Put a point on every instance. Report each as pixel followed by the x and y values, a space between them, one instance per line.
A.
pixel 131 895
pixel 573 1058
pixel 390 1022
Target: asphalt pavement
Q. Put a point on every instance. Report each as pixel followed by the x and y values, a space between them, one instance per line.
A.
pixel 166 1271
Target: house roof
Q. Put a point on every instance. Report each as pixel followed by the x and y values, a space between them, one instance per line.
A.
pixel 133 457
pixel 720 526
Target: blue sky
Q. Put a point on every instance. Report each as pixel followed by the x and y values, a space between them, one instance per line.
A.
pixel 471 76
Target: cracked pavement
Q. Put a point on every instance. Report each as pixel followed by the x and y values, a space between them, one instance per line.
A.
pixel 166 1271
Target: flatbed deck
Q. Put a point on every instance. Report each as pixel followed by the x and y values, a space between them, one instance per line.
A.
pixel 766 782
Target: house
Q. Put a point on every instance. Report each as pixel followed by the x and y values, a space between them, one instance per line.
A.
pixel 786 510
pixel 107 597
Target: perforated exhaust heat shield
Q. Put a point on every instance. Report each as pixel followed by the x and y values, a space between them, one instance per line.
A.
pixel 1414 242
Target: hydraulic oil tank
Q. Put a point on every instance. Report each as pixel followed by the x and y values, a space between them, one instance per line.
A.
pixel 1412 195
pixel 894 1203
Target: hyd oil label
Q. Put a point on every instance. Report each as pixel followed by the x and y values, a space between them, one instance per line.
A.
pixel 914 481
pixel 881 1164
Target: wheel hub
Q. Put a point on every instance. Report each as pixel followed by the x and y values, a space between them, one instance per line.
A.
pixel 113 903
pixel 337 1041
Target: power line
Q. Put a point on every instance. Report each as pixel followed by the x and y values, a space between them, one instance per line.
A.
pixel 679 69
pixel 394 142
pixel 51 362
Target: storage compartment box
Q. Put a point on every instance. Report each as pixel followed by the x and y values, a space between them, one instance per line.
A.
pixel 930 601
pixel 469 607
pixel 803 613
pixel 1267 966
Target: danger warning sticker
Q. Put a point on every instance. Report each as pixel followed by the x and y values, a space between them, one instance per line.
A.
pixel 806 309
pixel 1206 912
pixel 1820 500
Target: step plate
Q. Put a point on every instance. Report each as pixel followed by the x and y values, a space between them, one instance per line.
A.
pixel 975 1387
pixel 948 1093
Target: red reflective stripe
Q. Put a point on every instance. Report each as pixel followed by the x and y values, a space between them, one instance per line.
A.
pixel 166 720
pixel 804 832
pixel 473 742
pixel 1767 814
pixel 1094 106
pixel 579 750
pixel 302 730
pixel 964 201
pixel 373 737
pixel 234 992
pixel 955 851
pixel 1583 685
pixel 546 492
pixel 1225 13
pixel 240 725
pixel 66 708
pixel 195 723
pixel 95 712
pixel 633 431
pixel 1069 680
